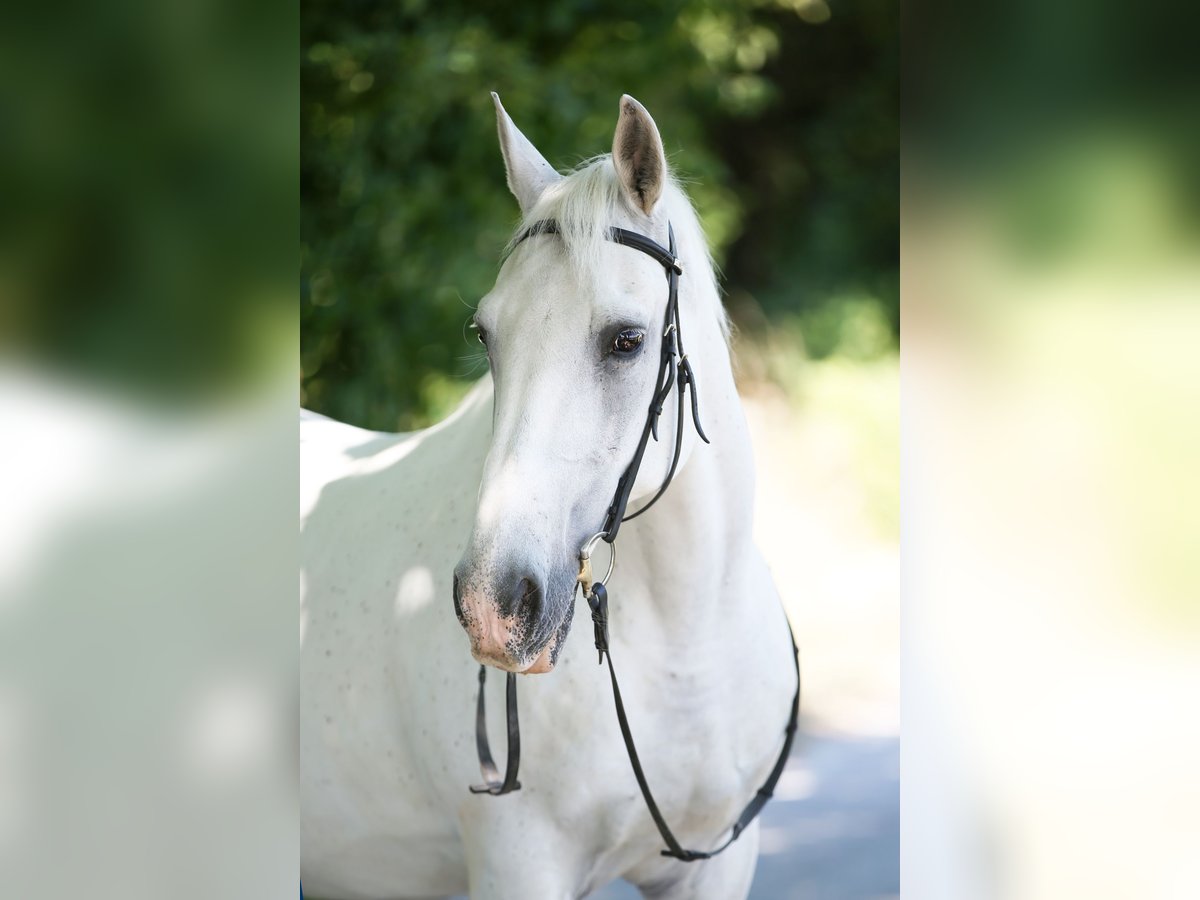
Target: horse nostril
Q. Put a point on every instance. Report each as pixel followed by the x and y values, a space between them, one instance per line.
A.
pixel 531 596
pixel 457 599
pixel 524 599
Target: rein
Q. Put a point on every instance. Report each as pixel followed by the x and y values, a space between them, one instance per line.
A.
pixel 674 372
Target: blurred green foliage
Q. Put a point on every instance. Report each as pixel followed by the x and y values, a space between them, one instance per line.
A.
pixel 148 165
pixel 780 114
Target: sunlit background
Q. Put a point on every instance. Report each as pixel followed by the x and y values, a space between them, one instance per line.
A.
pixel 1051 391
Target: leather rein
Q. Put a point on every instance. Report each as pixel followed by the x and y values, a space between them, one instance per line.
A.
pixel 675 371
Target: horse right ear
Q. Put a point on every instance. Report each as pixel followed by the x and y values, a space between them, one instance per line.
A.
pixel 528 172
pixel 638 156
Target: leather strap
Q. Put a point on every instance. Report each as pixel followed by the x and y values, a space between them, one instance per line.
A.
pixel 649 246
pixel 598 601
pixel 491 775
pixel 674 370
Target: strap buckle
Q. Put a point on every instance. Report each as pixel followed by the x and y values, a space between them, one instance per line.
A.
pixel 597 599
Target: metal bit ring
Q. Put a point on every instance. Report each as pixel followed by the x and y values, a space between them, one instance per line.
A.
pixel 585 553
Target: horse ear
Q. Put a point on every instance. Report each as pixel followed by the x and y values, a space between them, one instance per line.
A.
pixel 528 172
pixel 638 155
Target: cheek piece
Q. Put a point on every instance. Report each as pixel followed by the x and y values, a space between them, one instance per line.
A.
pixel 675 372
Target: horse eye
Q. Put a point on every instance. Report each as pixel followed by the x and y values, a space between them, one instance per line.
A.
pixel 628 341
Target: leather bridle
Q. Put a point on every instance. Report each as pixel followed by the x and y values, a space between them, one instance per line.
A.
pixel 674 371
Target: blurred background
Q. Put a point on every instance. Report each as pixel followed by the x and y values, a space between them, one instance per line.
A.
pixel 148 464
pixel 782 119
pixel 1051 384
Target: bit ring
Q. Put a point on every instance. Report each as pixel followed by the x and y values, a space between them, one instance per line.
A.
pixel 585 553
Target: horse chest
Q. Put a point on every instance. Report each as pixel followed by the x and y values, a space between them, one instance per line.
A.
pixel 702 752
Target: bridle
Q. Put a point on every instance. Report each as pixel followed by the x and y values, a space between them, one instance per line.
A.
pixel 675 371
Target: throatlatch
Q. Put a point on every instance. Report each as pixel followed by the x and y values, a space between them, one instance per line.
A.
pixel 674 372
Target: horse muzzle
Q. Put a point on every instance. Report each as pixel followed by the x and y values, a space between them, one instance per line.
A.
pixel 508 621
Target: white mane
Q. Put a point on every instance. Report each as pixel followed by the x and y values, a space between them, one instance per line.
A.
pixel 589 200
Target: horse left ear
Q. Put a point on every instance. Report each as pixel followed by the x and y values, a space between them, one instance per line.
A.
pixel 638 155
pixel 528 172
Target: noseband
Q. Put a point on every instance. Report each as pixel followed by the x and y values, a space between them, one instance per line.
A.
pixel 675 371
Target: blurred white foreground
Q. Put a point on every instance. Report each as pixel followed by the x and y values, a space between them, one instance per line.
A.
pixel 146 681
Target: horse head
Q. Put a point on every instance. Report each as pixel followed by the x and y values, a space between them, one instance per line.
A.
pixel 574 331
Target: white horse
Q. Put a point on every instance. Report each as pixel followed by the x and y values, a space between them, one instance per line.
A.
pixel 486 512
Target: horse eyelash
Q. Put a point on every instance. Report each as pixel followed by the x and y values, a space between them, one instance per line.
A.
pixel 469 325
